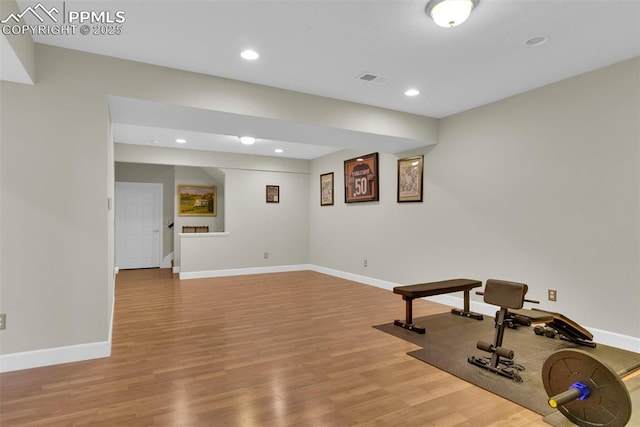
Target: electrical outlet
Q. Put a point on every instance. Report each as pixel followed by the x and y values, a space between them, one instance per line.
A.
pixel 552 295
pixel 3 321
pixel 365 263
pixel 266 255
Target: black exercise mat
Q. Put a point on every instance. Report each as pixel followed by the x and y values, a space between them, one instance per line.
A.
pixel 451 339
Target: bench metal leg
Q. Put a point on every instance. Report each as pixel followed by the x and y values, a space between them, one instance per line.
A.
pixel 466 310
pixel 408 309
pixel 408 323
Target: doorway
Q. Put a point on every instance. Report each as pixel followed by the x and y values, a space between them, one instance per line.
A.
pixel 138 217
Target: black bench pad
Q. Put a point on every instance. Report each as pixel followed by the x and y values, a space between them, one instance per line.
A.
pixel 436 288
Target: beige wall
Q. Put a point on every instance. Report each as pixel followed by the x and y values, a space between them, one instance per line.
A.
pixel 56 176
pixel 541 188
pixel 254 227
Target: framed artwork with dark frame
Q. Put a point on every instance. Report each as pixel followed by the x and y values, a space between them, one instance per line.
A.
pixel 197 200
pixel 410 172
pixel 273 194
pixel 326 189
pixel 361 179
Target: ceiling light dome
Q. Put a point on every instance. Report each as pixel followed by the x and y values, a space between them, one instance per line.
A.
pixel 250 54
pixel 450 13
pixel 247 140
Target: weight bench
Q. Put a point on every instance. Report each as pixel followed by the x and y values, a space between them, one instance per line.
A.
pixel 555 324
pixel 506 295
pixel 411 292
pixel 566 328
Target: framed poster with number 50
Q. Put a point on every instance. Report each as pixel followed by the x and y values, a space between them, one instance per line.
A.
pixel 361 179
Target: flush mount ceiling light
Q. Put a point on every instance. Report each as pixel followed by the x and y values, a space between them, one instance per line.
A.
pixel 250 55
pixel 450 13
pixel 278 150
pixel 181 141
pixel 412 92
pixel 247 140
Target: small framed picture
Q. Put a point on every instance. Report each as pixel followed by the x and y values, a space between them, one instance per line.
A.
pixel 410 179
pixel 273 194
pixel 361 179
pixel 326 189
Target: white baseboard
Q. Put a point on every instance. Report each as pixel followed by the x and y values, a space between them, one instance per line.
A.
pixel 354 277
pixel 243 271
pixel 612 339
pixel 54 356
pixel 76 353
pixel 615 340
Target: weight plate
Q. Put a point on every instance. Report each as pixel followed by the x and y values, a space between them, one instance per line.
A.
pixel 609 402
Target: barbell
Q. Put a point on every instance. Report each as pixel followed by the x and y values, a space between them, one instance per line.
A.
pixel 585 390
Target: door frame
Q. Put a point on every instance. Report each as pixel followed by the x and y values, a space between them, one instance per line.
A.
pixel 158 208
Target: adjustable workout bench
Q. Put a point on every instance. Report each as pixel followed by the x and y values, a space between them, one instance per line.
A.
pixel 566 329
pixel 506 295
pixel 554 324
pixel 411 292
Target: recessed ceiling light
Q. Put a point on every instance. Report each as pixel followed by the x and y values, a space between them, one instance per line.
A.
pixel 535 41
pixel 412 92
pixel 279 150
pixel 247 140
pixel 181 141
pixel 250 55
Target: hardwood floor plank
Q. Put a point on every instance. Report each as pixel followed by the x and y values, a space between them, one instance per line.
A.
pixel 286 349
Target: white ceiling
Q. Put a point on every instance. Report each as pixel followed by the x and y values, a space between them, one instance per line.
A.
pixel 320 46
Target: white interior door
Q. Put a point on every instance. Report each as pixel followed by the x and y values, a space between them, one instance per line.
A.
pixel 138 225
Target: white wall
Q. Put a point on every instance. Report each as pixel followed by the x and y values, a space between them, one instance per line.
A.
pixel 194 176
pixel 55 274
pixel 254 226
pixel 541 188
pixel 56 172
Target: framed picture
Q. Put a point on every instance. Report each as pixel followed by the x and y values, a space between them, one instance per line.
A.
pixel 326 189
pixel 273 194
pixel 197 200
pixel 410 179
pixel 361 179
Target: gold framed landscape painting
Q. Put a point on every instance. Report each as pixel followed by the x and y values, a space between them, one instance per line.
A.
pixel 197 200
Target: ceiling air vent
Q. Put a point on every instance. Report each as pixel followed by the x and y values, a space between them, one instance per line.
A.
pixel 373 78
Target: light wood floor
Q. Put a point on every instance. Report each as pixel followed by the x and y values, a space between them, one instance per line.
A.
pixel 288 349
